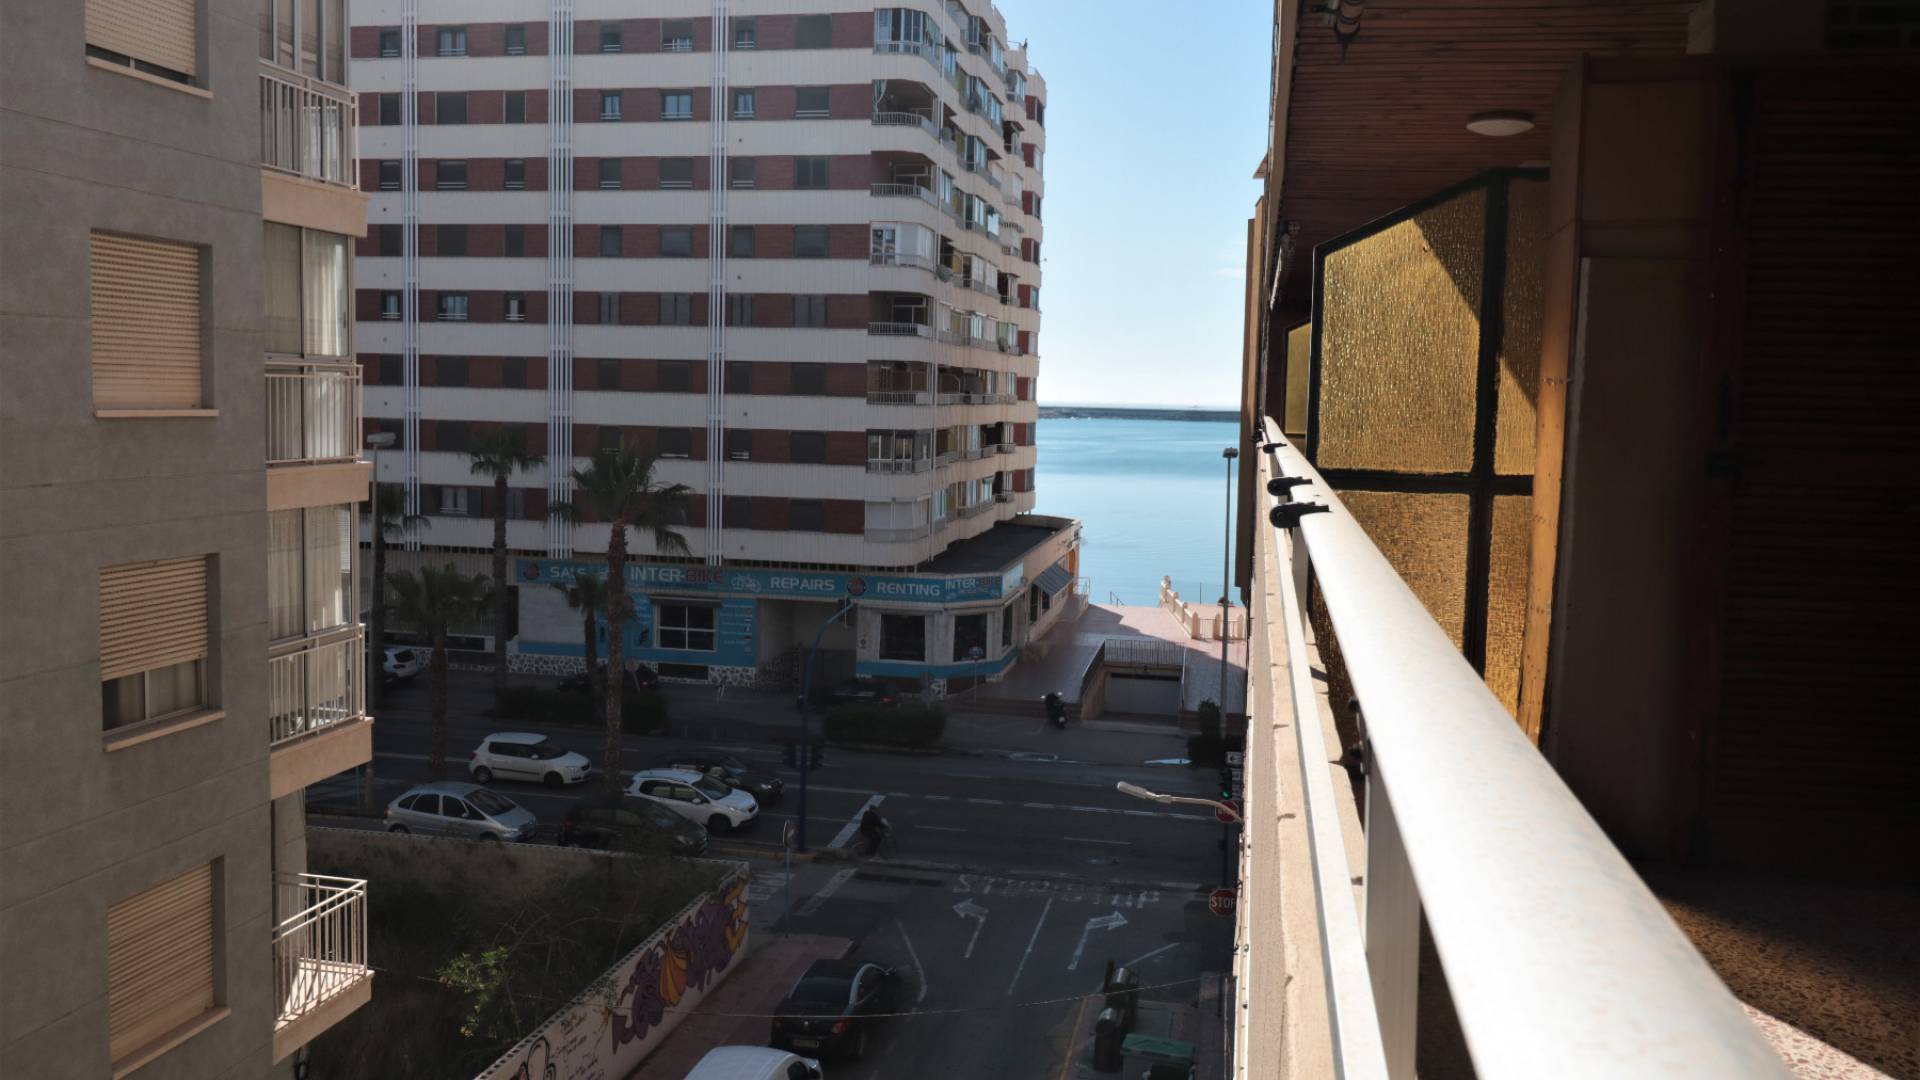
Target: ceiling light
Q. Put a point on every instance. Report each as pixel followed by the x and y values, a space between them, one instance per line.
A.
pixel 1500 123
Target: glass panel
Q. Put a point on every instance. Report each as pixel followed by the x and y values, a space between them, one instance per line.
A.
pixel 327 304
pixel 310 38
pixel 283 575
pixel 1400 340
pixel 1523 306
pixel 1507 595
pixel 283 288
pixel 1425 538
pixel 1299 370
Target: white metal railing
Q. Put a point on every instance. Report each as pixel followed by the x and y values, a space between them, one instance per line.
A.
pixel 895 535
pixel 903 48
pixel 319 940
pixel 898 465
pixel 901 258
pixel 1003 448
pixel 947 457
pixel 313 413
pixel 1559 959
pixel 906 119
pixel 316 686
pixel 904 191
pixel 899 329
pixel 306 126
pixel 1003 496
pixel 975 453
pixel 897 397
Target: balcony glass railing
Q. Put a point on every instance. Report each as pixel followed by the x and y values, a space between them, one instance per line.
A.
pixel 317 686
pixel 898 465
pixel 307 127
pixel 319 941
pixel 897 397
pixel 313 413
pixel 899 329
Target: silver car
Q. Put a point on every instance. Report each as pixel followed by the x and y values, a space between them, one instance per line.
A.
pixel 457 809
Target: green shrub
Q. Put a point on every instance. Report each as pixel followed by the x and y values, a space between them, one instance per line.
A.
pixel 887 725
pixel 642 712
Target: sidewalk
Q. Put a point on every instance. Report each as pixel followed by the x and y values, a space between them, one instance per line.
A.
pixel 736 1013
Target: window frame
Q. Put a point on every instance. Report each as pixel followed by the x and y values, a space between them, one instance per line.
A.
pixel 450 41
pixel 382 169
pixel 513 107
pixel 509 180
pixel 442 99
pixel 668 98
pixel 738 182
pixel 810 311
pixel 812 173
pixel 815 383
pixel 813 32
pixel 673 444
pixel 608 242
pixel 451 241
pixel 453 307
pixel 681 307
pixel 389 34
pixel 515 37
pixel 681 382
pixel 676 42
pixel 613 106
pixel 441 180
pixel 736 249
pixel 801 447
pixel 677 232
pixel 673 622
pixel 806 515
pixel 751 38
pixel 821 111
pixel 610 173
pixel 750 97
pixel 613 36
pixel 679 164
pixel 807 249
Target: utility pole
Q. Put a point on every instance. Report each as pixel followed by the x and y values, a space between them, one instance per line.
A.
pixel 854 589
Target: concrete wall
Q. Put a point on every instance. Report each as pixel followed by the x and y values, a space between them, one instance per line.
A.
pixel 87 148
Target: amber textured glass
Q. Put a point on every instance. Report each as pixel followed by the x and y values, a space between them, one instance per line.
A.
pixel 1522 306
pixel 1507 595
pixel 1425 538
pixel 1400 343
pixel 1299 370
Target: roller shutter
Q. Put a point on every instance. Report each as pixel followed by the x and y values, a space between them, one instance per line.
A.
pixel 146 323
pixel 159 960
pixel 159 32
pixel 152 615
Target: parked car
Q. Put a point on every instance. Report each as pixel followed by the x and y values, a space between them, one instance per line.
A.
pixel 765 787
pixel 754 1063
pixel 833 1006
pixel 863 690
pixel 631 824
pixel 520 755
pixel 401 662
pixel 695 796
pixel 451 808
pixel 640 677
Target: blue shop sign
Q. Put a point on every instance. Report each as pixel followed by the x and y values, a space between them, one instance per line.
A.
pixel 777 584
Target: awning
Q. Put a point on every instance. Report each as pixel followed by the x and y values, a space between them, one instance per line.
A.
pixel 1054 578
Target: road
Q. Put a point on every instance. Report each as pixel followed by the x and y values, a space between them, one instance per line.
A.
pixel 1013 884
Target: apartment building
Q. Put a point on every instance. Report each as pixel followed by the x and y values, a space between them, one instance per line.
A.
pixel 791 248
pixel 178 480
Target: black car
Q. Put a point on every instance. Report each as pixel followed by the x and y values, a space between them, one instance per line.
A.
pixel 641 677
pixel 863 690
pixel 617 821
pixel 729 770
pixel 829 1011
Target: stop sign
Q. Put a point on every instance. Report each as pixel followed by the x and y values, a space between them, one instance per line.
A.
pixel 1221 901
pixel 1228 813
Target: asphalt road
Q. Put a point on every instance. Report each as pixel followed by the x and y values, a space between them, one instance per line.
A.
pixel 1012 885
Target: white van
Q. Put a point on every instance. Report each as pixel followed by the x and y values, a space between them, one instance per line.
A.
pixel 754 1063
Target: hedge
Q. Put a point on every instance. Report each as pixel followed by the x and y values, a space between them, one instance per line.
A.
pixel 642 712
pixel 910 724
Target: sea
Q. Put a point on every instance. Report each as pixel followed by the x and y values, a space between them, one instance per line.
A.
pixel 1151 494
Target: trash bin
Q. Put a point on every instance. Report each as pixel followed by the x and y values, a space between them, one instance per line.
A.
pixel 1123 995
pixel 1107 1037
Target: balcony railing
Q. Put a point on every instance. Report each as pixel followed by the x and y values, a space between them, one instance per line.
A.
pixel 946 457
pixel 904 48
pixel 899 329
pixel 1003 448
pixel 901 258
pixel 905 191
pixel 1003 496
pixel 897 397
pixel 313 413
pixel 896 534
pixel 319 941
pixel 306 127
pixel 1532 911
pixel 906 119
pixel 314 688
pixel 976 509
pixel 898 465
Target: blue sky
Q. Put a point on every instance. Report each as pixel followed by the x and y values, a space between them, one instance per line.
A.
pixel 1156 118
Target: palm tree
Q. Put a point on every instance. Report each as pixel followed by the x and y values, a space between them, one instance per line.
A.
pixel 588 596
pixel 498 455
pixel 389 513
pixel 431 601
pixel 618 489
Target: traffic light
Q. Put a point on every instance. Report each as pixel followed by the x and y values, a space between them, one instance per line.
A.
pixel 1226 782
pixel 818 755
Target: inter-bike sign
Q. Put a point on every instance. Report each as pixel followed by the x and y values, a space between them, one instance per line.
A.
pixel 782 584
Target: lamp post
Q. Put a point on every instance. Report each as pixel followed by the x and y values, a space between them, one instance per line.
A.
pixel 806 709
pixel 1227 812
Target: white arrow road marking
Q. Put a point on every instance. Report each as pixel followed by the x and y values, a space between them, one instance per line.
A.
pixel 921 994
pixel 1036 937
pixel 967 909
pixel 1098 922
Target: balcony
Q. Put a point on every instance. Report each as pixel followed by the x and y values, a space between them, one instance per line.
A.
pixel 320 962
pixel 976 509
pixel 313 413
pixel 902 258
pixel 1003 448
pixel 899 329
pixel 898 397
pixel 905 191
pixel 898 465
pixel 906 119
pixel 306 127
pixel 895 535
pixel 1003 496
pixel 316 710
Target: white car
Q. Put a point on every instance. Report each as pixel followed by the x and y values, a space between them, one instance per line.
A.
pixel 754 1063
pixel 695 796
pixel 519 755
pixel 401 662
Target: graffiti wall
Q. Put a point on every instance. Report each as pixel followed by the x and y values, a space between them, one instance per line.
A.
pixel 607 1031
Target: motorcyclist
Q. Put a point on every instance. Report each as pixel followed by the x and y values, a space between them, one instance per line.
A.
pixel 873 827
pixel 1056 708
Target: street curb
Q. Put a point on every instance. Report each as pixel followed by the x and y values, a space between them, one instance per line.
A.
pixel 774 855
pixel 1197 888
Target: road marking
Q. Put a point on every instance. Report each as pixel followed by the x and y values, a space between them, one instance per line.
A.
pixel 1036 937
pixel 1143 958
pixel 938 798
pixel 987 802
pixel 969 776
pixel 1098 922
pixel 941 828
pixel 1073 1044
pixel 853 826
pixel 826 892
pixel 921 995
pixel 967 909
pixel 1096 840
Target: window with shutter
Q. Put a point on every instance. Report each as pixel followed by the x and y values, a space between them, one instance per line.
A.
pixel 160 959
pixel 153 640
pixel 145 324
pixel 160 33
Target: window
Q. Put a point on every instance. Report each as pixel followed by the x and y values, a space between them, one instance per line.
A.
pixel 736 512
pixel 513 372
pixel 810 379
pixel 450 176
pixel 607 374
pixel 609 439
pixel 745 104
pixel 310 582
pixel 740 241
pixel 154 38
pixel 516 39
pixel 451 41
pixel 676 241
pixel 611 104
pixel 676 172
pixel 676 377
pixel 676 105
pixel 153 640
pixel 516 107
pixel 676 309
pixel 811 103
pixel 161 956
pixel 807 447
pixel 389 305
pixel 740 171
pixel 746 33
pixel 676 35
pixel 610 37
pixel 389 110
pixel 609 241
pixel 453 502
pixel 612 172
pixel 514 241
pixel 516 174
pixel 307 297
pixel 450 108
pixel 739 309
pixel 810 311
pixel 389 176
pixel 389 44
pixel 450 371
pixel 807 515
pixel 516 307
pixel 813 32
pixel 608 305
pixel 969 638
pixel 903 637
pixel 739 377
pixel 452 240
pixel 453 307
pixel 810 172
pixel 674 443
pixel 809 241
pixel 688 627
pixel 739 444
pixel 146 336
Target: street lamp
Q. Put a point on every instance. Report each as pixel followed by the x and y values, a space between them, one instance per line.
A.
pixel 1164 799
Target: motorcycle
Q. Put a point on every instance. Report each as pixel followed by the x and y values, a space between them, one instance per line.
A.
pixel 1056 709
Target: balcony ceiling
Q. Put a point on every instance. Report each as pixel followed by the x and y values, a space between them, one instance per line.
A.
pixel 1385 124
